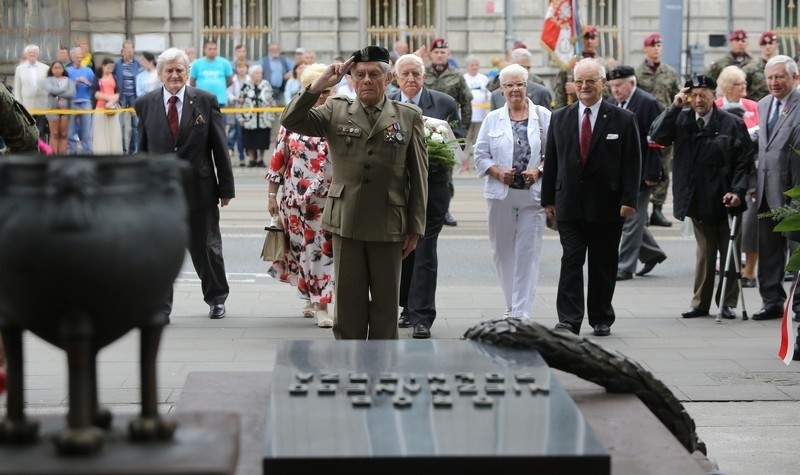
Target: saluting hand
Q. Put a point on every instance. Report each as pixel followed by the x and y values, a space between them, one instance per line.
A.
pixel 332 76
pixel 681 97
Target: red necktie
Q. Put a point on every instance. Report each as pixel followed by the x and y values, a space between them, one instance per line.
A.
pixel 586 135
pixel 172 117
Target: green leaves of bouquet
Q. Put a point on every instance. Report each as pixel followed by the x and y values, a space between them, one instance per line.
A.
pixel 788 216
pixel 440 149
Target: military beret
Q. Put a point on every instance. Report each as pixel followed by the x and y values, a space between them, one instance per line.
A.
pixel 652 39
pixel 621 72
pixel 520 44
pixel 590 31
pixel 439 43
pixel 701 81
pixel 371 53
pixel 767 38
pixel 738 35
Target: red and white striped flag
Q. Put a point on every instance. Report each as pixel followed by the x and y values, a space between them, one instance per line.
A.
pixel 786 350
pixel 561 30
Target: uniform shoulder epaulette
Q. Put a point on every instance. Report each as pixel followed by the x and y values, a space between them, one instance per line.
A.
pixel 343 98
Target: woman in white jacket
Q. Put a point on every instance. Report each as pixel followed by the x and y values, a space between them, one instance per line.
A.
pixel 509 155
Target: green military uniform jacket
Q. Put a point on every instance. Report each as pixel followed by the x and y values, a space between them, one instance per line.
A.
pixel 756 79
pixel 725 61
pixel 452 83
pixel 17 127
pixel 564 76
pixel 380 174
pixel 663 84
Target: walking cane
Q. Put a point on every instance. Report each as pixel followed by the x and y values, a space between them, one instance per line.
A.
pixel 729 257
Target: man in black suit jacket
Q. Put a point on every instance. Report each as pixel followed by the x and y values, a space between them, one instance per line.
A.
pixel 200 140
pixel 637 242
pixel 590 185
pixel 418 279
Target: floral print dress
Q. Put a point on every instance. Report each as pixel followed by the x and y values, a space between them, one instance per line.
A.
pixel 302 165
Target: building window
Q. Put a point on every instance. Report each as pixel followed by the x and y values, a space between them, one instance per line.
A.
pixel 784 24
pixel 411 20
pixel 605 15
pixel 234 22
pixel 44 23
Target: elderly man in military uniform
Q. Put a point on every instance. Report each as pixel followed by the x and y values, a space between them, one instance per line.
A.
pixel 564 89
pixel 756 81
pixel 660 80
pixel 377 199
pixel 442 77
pixel 737 56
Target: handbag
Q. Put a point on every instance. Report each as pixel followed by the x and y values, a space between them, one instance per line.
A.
pixel 274 242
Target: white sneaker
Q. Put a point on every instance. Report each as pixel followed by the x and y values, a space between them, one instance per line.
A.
pixel 323 320
pixel 309 309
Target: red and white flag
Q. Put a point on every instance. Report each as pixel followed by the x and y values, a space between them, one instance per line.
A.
pixel 561 30
pixel 786 350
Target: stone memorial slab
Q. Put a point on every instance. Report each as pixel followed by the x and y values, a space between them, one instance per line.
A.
pixel 435 404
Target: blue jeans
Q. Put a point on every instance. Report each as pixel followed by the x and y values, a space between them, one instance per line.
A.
pixel 235 138
pixel 130 133
pixel 80 125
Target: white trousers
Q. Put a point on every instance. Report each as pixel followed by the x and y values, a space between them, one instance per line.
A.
pixel 516 227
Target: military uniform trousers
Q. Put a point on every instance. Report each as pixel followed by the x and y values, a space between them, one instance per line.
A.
pixel 367 299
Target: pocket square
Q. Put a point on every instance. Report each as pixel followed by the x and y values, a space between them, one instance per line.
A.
pixel 199 120
pixel 612 137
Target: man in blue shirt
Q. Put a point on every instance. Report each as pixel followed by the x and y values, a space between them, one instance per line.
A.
pixel 80 125
pixel 126 69
pixel 212 73
pixel 277 70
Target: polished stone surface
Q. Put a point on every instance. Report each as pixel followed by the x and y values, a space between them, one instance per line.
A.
pixel 417 403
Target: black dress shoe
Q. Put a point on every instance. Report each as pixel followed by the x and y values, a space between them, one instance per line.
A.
pixel 727 313
pixel 602 329
pixel 624 275
pixel 694 313
pixel 217 311
pixel 788 277
pixel 566 326
pixel 421 330
pixel 650 265
pixel 449 220
pixel 657 218
pixel 796 355
pixel 403 321
pixel 768 313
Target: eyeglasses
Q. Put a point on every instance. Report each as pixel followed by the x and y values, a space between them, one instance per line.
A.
pixel 517 85
pixel 588 82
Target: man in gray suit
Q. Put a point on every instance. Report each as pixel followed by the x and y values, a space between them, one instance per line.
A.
pixel 537 93
pixel 779 114
pixel 418 280
pixel 186 121
pixel 376 202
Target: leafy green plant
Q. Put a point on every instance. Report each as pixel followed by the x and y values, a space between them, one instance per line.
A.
pixel 788 217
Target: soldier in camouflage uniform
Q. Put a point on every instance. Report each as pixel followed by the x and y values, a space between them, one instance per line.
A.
pixel 439 76
pixel 563 88
pixel 17 127
pixel 756 81
pixel 660 80
pixel 737 56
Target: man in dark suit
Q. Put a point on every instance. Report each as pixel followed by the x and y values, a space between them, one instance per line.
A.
pixel 418 280
pixel 637 242
pixel 713 156
pixel 376 202
pixel 191 126
pixel 590 185
pixel 537 93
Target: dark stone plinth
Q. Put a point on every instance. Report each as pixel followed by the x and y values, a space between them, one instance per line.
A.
pixel 203 444
pixel 437 404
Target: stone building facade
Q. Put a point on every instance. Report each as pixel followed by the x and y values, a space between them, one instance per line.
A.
pixel 482 28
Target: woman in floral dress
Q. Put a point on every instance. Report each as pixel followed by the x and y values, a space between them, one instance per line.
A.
pixel 302 165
